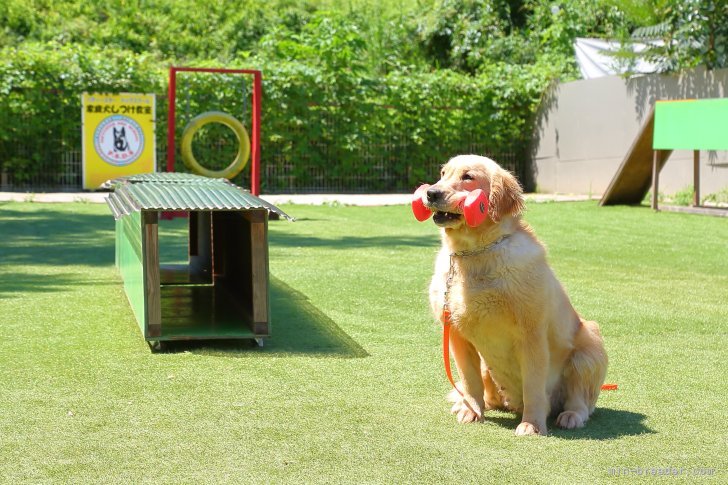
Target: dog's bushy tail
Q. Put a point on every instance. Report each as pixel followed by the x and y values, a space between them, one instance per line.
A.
pixel 588 366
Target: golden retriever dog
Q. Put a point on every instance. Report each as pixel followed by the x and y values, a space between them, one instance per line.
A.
pixel 517 342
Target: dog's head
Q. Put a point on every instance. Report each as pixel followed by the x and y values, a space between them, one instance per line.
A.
pixel 465 173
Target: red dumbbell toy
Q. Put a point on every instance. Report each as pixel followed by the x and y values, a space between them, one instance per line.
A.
pixel 421 212
pixel 474 206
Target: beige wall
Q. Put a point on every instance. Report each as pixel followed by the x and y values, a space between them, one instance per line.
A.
pixel 585 129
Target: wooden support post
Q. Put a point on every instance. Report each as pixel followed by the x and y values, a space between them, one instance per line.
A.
pixel 152 290
pixel 696 178
pixel 655 176
pixel 259 259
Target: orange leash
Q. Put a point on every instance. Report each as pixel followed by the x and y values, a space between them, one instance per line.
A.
pixel 446 349
pixel 446 357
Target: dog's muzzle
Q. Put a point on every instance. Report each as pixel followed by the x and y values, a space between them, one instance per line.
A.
pixel 428 200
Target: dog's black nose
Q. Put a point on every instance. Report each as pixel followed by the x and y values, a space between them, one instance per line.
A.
pixel 433 194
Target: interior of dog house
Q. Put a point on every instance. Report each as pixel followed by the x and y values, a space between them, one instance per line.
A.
pixel 221 291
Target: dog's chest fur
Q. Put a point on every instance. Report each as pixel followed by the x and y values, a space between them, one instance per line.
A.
pixel 480 311
pixel 480 290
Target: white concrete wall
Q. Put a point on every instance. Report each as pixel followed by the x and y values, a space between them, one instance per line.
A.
pixel 585 129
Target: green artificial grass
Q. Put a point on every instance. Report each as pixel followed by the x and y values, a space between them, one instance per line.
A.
pixel 350 387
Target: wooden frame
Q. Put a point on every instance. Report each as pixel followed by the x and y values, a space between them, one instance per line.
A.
pixel 256 96
pixel 671 125
pixel 659 155
pixel 687 124
pixel 221 293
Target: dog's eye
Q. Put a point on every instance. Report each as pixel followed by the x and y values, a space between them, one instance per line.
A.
pixel 466 176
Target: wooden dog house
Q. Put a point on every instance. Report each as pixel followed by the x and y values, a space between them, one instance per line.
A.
pixel 222 291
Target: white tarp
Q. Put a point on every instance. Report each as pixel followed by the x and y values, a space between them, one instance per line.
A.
pixel 594 59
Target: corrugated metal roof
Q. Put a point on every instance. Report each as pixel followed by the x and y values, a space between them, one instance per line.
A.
pixel 162 177
pixel 168 192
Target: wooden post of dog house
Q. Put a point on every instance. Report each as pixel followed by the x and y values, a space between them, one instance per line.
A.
pixel 200 244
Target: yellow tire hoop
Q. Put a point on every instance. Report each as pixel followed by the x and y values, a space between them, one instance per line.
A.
pixel 215 117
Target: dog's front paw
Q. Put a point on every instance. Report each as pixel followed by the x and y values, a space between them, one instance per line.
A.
pixel 466 415
pixel 528 429
pixel 467 412
pixel 570 420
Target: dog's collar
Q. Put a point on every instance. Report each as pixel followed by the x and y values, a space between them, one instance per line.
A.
pixel 482 249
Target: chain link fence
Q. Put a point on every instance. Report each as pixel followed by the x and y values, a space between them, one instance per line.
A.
pixel 387 163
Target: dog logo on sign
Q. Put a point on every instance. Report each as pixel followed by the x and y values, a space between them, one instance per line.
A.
pixel 120 143
pixel 119 140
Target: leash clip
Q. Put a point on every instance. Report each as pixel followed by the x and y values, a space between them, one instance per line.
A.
pixel 446 317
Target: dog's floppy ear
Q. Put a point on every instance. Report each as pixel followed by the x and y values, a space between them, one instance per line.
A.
pixel 506 196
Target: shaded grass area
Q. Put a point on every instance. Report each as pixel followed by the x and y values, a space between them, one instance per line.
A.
pixel 350 387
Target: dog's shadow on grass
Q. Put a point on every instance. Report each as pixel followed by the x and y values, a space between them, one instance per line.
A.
pixel 297 327
pixel 604 424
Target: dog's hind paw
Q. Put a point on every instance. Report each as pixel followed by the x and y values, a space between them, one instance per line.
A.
pixel 570 420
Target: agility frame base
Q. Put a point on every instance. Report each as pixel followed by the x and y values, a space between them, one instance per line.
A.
pixel 685 124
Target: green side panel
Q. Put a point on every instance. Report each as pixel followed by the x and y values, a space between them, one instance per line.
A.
pixel 129 260
pixel 700 124
pixel 117 238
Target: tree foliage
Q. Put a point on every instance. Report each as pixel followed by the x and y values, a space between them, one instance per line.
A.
pixel 689 33
pixel 428 76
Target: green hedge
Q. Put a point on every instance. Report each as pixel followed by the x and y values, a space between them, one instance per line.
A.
pixel 40 88
pixel 315 117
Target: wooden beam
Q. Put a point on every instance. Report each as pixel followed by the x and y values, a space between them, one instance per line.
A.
pixel 193 242
pixel 200 244
pixel 259 265
pixel 152 290
pixel 255 215
pixel 703 210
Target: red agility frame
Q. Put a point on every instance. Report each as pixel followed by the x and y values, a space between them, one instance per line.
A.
pixel 255 124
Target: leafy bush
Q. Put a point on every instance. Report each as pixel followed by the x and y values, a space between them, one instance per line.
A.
pixel 717 198
pixel 324 110
pixel 40 89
